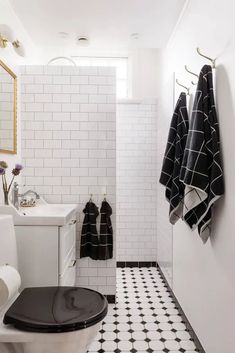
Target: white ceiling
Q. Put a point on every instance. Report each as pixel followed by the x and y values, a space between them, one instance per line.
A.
pixel 107 23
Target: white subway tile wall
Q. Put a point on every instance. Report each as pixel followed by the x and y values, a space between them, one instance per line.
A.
pixel 137 181
pixel 68 146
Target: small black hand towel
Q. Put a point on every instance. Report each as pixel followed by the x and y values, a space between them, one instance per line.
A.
pixel 106 232
pixel 89 238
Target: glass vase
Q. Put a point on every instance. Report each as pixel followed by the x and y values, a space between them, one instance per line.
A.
pixel 6 197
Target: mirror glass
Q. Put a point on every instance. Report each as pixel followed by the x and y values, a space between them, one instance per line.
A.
pixel 7 110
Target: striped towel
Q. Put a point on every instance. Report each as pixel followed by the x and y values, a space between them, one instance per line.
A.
pixel 106 232
pixel 201 169
pixel 173 159
pixel 89 238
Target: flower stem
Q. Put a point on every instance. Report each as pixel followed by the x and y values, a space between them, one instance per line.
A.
pixel 6 200
pixel 10 183
pixel 4 182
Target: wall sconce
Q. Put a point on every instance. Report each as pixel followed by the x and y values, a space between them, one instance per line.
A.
pixel 6 36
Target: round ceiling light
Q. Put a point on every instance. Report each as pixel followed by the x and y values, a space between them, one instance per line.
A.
pixel 135 36
pixel 62 35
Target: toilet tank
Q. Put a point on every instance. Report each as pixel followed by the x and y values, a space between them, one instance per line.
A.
pixel 8 250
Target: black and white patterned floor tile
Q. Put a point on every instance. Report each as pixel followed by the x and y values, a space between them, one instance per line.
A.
pixel 144 318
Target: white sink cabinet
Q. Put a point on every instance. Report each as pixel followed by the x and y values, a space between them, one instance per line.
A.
pixel 46 244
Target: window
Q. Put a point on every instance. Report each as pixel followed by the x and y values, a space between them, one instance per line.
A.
pixel 121 65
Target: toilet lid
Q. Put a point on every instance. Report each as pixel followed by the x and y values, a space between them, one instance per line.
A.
pixel 56 309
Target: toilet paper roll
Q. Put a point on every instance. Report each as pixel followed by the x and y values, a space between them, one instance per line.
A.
pixel 10 282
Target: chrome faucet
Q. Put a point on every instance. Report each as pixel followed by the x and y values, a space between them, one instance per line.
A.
pixel 16 195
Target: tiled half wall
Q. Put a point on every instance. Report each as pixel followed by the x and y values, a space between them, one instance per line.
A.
pixel 69 146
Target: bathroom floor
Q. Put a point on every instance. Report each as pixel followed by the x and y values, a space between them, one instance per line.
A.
pixel 144 318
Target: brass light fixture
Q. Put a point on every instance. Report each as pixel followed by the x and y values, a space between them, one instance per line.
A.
pixel 6 37
pixel 3 42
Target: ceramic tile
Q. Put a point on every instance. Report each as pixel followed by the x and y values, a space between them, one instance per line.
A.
pixel 144 319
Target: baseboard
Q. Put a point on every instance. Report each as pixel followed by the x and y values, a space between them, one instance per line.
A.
pixel 111 298
pixel 136 264
pixel 185 320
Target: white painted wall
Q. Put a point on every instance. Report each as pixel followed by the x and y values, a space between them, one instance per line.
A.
pixel 136 180
pixel 12 60
pixel 145 73
pixel 204 275
pixel 8 55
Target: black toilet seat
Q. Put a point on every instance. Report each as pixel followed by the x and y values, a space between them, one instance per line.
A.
pixel 56 309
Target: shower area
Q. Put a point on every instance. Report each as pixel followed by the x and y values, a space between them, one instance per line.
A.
pixel 137 182
pixel 143 234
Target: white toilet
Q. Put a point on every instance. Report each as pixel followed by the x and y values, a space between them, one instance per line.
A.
pixel 46 319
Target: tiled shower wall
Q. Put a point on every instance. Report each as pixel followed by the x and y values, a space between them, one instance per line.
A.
pixel 136 181
pixel 69 147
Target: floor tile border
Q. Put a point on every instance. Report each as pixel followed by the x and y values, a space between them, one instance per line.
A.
pixel 185 319
pixel 111 298
pixel 139 264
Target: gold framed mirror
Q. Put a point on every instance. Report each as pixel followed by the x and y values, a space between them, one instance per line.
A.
pixel 8 110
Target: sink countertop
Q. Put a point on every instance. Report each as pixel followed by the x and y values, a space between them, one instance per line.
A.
pixel 42 214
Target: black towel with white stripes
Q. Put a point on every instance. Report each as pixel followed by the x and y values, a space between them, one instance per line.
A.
pixel 201 169
pixel 173 159
pixel 106 232
pixel 89 238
